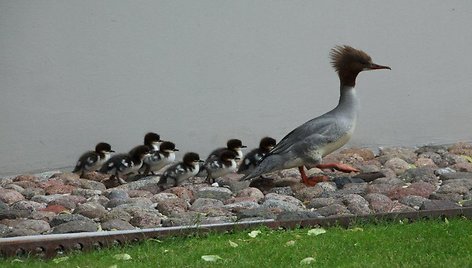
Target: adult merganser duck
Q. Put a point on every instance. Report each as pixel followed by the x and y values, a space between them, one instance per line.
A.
pixel 224 164
pixel 306 145
pixel 93 160
pixel 251 160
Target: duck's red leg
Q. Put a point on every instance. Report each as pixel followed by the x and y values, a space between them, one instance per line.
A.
pixel 338 166
pixel 313 180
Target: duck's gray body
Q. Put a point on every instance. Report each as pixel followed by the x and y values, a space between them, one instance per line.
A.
pixel 309 143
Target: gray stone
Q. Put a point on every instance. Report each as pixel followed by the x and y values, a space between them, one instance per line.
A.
pixel 87 193
pixel 211 207
pixel 391 181
pixel 10 196
pixel 182 192
pixel 200 203
pixel 218 193
pixel 63 218
pixel 260 213
pixel 438 205
pixel 161 197
pixel 42 215
pixel 425 162
pixel 356 204
pixel 117 194
pixel 146 219
pixel 399 207
pixel 115 202
pixel 280 204
pixel 141 202
pixel 425 174
pixel 234 185
pixel 117 224
pixel 284 198
pixel 413 201
pixel 92 185
pixel 333 210
pixel 454 197
pixel 406 154
pixel 75 227
pixel 29 192
pixel 19 232
pixel 282 190
pixel 140 185
pixel 380 188
pixel 251 192
pixel 398 165
pixel 453 159
pixel 458 188
pixel 243 205
pixel 4 229
pixel 354 188
pixel 306 194
pixel 326 188
pixel 438 149
pixel 186 220
pixel 26 205
pixel 39 226
pixel 44 176
pixel 435 157
pixel 168 206
pixel 117 214
pixel 68 201
pixel 423 189
pixel 323 202
pixel 379 203
pixel 218 219
pixel 139 193
pixel 442 171
pixel 46 198
pixel 456 175
pixel 14 187
pixel 91 210
pixel 100 199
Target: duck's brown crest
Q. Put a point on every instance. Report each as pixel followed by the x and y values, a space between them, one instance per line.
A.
pixel 344 56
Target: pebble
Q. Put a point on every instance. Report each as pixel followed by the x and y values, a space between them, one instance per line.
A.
pixel 10 196
pixel 356 204
pixel 116 224
pixel 379 203
pixel 91 210
pixel 408 179
pixel 398 165
pixel 75 227
pixel 218 193
pixel 146 219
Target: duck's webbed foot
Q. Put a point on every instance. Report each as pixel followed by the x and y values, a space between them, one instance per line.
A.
pixel 338 166
pixel 313 180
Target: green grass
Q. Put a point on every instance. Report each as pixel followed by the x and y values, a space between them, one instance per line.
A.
pixel 426 243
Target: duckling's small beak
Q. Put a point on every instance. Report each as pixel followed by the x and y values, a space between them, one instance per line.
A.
pixel 176 150
pixel 377 67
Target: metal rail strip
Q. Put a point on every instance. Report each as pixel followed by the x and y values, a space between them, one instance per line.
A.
pixel 48 246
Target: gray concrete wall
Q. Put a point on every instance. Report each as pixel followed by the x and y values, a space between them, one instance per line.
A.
pixel 74 73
